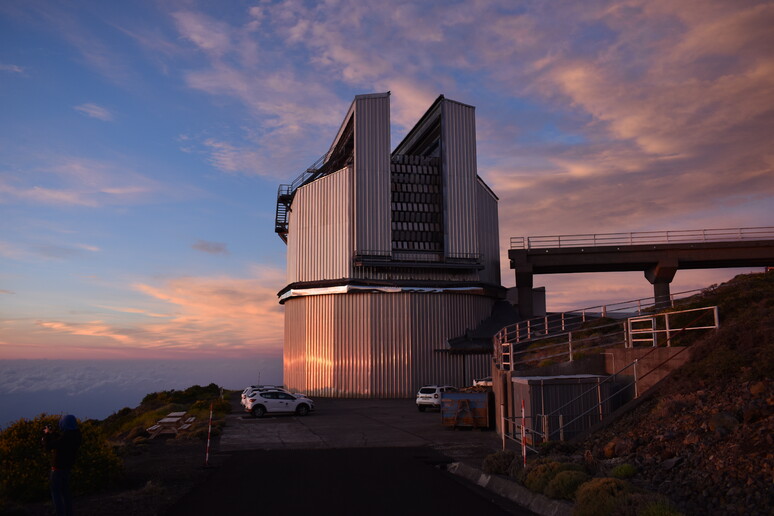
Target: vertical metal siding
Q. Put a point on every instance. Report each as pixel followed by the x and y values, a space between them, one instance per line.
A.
pixel 458 145
pixel 320 231
pixel 372 173
pixel 488 234
pixel 379 345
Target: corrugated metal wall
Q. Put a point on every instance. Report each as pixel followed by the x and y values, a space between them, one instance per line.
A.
pixel 320 237
pixel 488 234
pixel 372 173
pixel 458 146
pixel 379 345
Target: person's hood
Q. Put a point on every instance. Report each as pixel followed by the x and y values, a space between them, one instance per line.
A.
pixel 68 422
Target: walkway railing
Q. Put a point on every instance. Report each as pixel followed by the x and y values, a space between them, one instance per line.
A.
pixel 643 238
pixel 558 323
pixel 652 330
pixel 559 422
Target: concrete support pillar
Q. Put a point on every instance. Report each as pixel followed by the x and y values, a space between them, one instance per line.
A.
pixel 524 283
pixel 660 276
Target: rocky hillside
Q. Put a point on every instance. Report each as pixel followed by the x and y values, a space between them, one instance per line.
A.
pixel 705 439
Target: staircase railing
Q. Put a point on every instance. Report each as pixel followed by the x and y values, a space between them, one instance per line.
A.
pixel 557 323
pixel 597 411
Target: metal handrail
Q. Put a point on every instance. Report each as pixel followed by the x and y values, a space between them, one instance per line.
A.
pixel 556 324
pixel 633 364
pixel 643 238
pixel 503 356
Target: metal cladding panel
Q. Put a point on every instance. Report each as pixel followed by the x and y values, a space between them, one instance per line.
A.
pixel 488 234
pixel 575 399
pixel 379 345
pixel 320 230
pixel 458 146
pixel 434 321
pixel 352 346
pixel 372 174
pixel 294 352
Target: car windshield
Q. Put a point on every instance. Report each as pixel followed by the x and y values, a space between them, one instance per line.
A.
pixel 427 390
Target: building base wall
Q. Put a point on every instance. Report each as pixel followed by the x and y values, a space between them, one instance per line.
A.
pixel 380 345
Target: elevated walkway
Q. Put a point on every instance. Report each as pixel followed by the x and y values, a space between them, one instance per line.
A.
pixel 658 254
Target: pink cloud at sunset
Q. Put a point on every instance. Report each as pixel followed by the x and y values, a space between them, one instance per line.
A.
pixel 140 165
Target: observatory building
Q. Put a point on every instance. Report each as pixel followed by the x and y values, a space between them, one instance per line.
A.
pixel 392 257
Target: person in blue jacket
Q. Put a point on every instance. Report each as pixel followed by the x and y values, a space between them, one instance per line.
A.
pixel 63 448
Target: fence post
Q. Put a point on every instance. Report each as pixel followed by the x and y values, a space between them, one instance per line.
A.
pixel 546 430
pixel 599 399
pixel 569 342
pixel 668 334
pixel 636 386
pixel 561 427
pixel 523 436
pixel 505 423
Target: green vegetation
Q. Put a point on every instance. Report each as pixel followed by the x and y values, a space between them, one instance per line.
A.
pixel 24 463
pixel 565 484
pixel 130 424
pixel 498 463
pixel 538 478
pixel 599 496
pixel 623 471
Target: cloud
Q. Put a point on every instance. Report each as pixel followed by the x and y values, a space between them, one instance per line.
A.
pixel 11 69
pixel 77 181
pixel 210 247
pixel 95 111
pixel 221 316
pixel 4 291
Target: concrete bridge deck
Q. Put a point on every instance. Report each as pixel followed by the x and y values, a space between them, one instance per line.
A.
pixel 659 262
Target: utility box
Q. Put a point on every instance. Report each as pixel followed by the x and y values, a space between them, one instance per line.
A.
pixel 561 407
pixel 468 409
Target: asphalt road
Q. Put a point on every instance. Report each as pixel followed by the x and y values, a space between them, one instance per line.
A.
pixel 350 457
pixel 352 481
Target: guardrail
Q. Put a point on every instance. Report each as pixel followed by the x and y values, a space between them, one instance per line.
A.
pixel 564 321
pixel 643 238
pixel 557 421
pixel 634 331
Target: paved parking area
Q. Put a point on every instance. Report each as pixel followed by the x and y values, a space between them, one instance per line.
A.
pixel 348 457
pixel 357 423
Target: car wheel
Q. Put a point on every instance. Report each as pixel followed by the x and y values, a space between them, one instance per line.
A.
pixel 302 410
pixel 421 408
pixel 258 411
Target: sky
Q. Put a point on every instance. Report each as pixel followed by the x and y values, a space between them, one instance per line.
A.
pixel 142 144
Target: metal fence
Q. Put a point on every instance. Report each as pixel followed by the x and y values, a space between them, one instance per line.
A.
pixel 565 421
pixel 643 238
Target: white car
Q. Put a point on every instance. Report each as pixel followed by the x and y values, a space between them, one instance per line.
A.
pixel 429 396
pixel 259 403
pixel 254 388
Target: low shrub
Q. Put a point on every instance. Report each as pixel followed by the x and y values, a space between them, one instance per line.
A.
pixel 25 465
pixel 555 447
pixel 600 496
pixel 623 471
pixel 498 463
pixel 539 477
pixel 565 484
pixel 643 503
pixel 659 508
